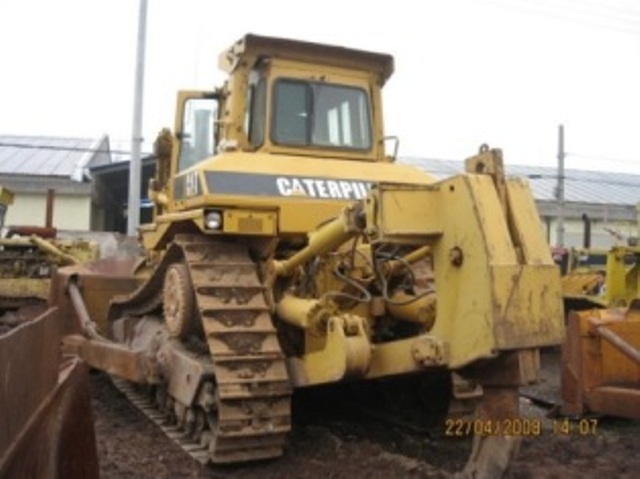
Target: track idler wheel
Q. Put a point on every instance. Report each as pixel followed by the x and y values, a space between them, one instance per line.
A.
pixel 178 299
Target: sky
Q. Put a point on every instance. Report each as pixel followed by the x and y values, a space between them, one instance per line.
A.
pixel 467 72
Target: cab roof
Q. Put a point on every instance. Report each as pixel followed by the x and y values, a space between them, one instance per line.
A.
pixel 251 48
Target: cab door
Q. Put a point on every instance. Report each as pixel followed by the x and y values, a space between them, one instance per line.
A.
pixel 196 139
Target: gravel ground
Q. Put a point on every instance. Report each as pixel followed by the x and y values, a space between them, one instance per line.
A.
pixel 130 446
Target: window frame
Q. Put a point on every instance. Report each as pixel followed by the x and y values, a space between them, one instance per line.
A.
pixel 366 133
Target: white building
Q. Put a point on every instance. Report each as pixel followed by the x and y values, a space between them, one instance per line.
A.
pixel 31 165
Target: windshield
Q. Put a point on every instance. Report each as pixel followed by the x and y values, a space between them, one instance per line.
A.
pixel 196 138
pixel 321 114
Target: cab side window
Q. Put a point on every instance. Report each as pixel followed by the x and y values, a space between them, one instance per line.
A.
pixel 291 114
pixel 197 135
pixel 321 114
pixel 255 124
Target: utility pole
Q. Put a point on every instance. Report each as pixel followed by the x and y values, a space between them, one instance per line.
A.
pixel 560 188
pixel 133 210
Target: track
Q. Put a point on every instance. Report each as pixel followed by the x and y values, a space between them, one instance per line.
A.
pixel 249 417
pixel 142 401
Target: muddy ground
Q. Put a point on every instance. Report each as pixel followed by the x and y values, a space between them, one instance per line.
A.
pixel 355 446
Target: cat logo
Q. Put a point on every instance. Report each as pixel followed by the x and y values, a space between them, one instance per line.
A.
pixel 228 183
pixel 322 188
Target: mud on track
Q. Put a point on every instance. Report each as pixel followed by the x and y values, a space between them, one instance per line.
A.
pixel 129 445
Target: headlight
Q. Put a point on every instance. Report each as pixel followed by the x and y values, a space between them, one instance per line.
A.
pixel 213 220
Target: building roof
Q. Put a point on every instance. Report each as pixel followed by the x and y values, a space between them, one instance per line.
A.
pixel 68 158
pixel 580 186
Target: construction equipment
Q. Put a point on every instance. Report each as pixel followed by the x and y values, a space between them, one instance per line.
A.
pixel 45 404
pixel 600 278
pixel 600 362
pixel 601 350
pixel 30 255
pixel 288 250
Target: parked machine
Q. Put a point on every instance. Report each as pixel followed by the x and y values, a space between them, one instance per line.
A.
pixel 600 278
pixel 288 249
pixel 601 350
pixel 29 257
pixel 600 362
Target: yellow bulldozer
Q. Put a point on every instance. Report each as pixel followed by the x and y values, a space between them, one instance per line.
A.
pixel 600 278
pixel 289 249
pixel 30 256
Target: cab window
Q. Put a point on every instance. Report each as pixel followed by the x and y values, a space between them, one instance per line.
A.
pixel 197 136
pixel 320 114
pixel 255 120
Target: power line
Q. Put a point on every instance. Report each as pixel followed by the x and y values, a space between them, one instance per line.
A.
pixel 437 171
pixel 628 161
pixel 538 176
pixel 596 19
pixel 598 181
pixel 81 149
pixel 609 10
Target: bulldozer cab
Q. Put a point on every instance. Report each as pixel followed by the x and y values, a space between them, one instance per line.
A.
pixel 282 97
pixel 300 98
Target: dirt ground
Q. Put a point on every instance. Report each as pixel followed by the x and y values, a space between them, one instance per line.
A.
pixel 130 446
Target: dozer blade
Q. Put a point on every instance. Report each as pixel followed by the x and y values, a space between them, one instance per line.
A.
pixel 601 363
pixel 45 405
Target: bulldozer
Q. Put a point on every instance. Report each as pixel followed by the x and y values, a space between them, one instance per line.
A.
pixel 600 278
pixel 29 257
pixel 289 250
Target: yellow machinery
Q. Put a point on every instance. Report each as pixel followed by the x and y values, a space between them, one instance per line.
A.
pixel 601 351
pixel 600 362
pixel 288 250
pixel 30 255
pixel 598 278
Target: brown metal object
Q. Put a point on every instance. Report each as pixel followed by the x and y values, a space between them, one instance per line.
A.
pixel 617 341
pixel 99 282
pixel 45 409
pixel 493 454
pixel 89 328
pixel 112 358
pixel 601 363
pixel 48 221
pixel 39 231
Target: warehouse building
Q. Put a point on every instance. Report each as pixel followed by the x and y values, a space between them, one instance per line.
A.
pixel 91 189
pixel 608 200
pixel 32 165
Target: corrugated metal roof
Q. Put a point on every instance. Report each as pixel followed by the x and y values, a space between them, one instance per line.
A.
pixel 581 186
pixel 72 157
pixel 52 156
